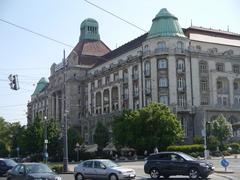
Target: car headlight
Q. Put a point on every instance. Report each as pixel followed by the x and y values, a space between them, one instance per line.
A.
pixel 58 178
pixel 203 164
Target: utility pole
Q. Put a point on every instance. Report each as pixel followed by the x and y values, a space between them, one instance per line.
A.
pixel 205 135
pixel 65 124
pixel 45 140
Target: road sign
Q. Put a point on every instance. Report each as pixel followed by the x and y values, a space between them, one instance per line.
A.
pixel 225 163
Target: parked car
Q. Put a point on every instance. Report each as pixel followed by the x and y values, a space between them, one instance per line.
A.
pixel 5 165
pixel 32 171
pixel 176 163
pixel 102 169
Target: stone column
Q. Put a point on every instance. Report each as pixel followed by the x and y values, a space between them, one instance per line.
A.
pixel 102 104
pixel 120 97
pixel 231 89
pixel 110 99
pixel 130 88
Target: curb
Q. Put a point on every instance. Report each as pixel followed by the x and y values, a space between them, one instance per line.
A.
pixel 224 172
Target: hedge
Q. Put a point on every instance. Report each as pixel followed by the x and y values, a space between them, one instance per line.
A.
pixel 190 149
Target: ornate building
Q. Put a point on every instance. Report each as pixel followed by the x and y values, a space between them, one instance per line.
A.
pixel 194 71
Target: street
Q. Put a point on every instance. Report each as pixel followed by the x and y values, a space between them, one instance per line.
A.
pixel 138 167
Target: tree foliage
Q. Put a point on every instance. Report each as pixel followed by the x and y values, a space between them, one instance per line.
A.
pixel 146 128
pixel 101 136
pixel 221 128
pixel 74 137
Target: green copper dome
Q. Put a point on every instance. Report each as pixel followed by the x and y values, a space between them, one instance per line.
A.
pixel 42 83
pixel 165 24
pixel 89 30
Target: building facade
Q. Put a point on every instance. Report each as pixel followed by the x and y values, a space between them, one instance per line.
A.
pixel 194 71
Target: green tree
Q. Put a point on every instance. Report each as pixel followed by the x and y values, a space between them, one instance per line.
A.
pixel 221 129
pixel 54 143
pixel 5 140
pixel 74 137
pixel 32 141
pixel 152 126
pixel 101 136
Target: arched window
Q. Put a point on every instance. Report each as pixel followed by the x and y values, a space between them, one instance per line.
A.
pixel 180 46
pixel 147 67
pixel 162 45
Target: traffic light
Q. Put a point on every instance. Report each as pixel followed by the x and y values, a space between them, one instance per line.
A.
pixel 13 81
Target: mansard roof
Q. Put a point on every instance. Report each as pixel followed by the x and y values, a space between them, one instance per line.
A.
pixel 41 85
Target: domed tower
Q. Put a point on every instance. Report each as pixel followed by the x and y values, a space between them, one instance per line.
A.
pixel 89 30
pixel 165 24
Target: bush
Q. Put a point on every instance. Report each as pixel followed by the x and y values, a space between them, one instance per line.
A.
pixel 57 168
pixel 194 148
pixel 235 148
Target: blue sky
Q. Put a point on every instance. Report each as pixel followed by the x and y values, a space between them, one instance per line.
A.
pixel 31 56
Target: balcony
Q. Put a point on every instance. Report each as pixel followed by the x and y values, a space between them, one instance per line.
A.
pixel 135 76
pixel 160 51
pixel 180 71
pixel 180 51
pixel 181 89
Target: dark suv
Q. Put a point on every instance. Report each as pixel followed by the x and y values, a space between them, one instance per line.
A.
pixel 5 165
pixel 176 163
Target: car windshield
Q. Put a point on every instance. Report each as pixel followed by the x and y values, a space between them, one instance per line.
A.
pixel 38 168
pixel 187 157
pixel 10 162
pixel 109 163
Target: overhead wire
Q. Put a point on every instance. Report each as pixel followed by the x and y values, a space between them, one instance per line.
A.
pixel 36 33
pixel 118 17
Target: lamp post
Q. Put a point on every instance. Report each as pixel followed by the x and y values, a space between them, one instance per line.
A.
pixel 45 140
pixel 205 135
pixel 77 149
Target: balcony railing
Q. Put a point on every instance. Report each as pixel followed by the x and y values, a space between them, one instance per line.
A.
pixel 180 51
pixel 159 51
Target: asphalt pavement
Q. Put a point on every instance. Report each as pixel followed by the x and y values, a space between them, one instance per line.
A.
pixel 232 173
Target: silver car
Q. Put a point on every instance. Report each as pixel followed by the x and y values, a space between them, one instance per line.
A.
pixel 102 169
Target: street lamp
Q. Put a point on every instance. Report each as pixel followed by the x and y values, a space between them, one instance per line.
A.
pixel 45 140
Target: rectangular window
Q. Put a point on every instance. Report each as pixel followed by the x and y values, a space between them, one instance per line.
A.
pixel 99 82
pixel 115 76
pixel 162 64
pixel 236 69
pixel 203 67
pixel 219 85
pixel 181 100
pixel 107 80
pixel 204 85
pixel 163 82
pixel 163 99
pixel 204 100
pixel 184 126
pixel 220 67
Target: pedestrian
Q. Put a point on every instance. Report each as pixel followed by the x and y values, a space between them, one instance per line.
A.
pixel 155 150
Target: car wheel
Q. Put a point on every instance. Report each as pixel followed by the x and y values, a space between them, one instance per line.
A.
pixel 113 177
pixel 79 177
pixel 154 173
pixel 193 173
